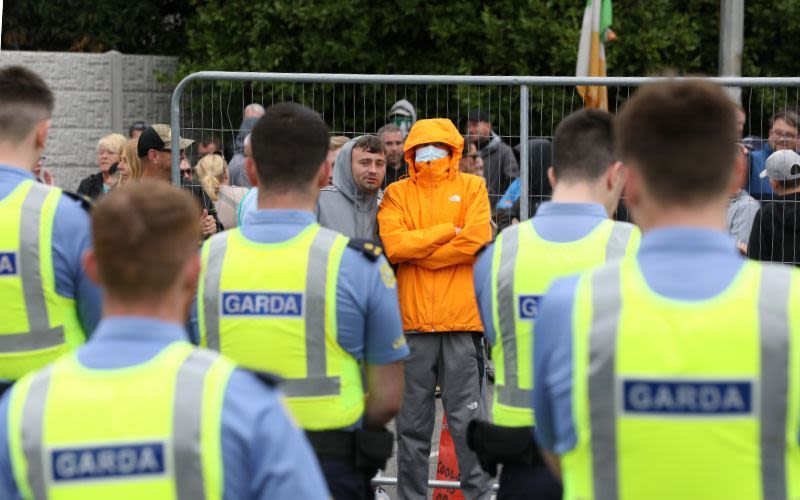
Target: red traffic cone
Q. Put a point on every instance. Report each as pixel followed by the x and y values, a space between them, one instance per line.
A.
pixel 447 466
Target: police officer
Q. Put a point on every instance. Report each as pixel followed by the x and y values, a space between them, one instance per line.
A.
pixel 673 374
pixel 280 293
pixel 49 306
pixel 572 233
pixel 138 412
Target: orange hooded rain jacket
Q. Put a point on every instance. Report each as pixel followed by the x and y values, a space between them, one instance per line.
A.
pixel 417 222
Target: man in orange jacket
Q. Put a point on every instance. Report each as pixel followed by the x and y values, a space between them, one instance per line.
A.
pixel 432 224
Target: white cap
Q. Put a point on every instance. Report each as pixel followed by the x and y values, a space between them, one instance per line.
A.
pixel 783 165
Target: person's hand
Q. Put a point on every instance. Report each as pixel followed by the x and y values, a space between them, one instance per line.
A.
pixel 458 230
pixel 742 247
pixel 48 178
pixel 208 223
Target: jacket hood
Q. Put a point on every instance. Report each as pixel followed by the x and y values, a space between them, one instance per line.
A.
pixel 246 128
pixel 494 143
pixel 404 108
pixel 343 175
pixel 430 131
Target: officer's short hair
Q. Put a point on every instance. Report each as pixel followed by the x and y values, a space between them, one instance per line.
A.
pixel 583 145
pixel 290 143
pixel 142 234
pixel 681 137
pixel 25 100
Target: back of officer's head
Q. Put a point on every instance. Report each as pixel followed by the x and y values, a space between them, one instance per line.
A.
pixel 25 102
pixel 679 137
pixel 583 146
pixel 144 234
pixel 290 147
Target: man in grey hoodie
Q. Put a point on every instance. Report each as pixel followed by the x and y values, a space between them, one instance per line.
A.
pixel 500 166
pixel 350 204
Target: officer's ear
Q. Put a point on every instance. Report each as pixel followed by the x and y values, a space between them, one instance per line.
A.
pixel 89 262
pixel 42 129
pixel 324 175
pixel 191 274
pixel 551 176
pixel 632 190
pixel 250 171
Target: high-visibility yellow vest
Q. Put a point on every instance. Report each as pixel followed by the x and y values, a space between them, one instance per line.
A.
pixel 272 307
pixel 148 431
pixel 685 399
pixel 37 324
pixel 524 265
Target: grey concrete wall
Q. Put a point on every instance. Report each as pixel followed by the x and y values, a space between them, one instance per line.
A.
pixel 96 94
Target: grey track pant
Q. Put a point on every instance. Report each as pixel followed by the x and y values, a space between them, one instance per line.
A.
pixel 454 361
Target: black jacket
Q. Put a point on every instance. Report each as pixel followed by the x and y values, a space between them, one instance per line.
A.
pixel 775 236
pixel 92 186
pixel 393 175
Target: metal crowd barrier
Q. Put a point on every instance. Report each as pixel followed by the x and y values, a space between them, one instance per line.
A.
pixel 528 90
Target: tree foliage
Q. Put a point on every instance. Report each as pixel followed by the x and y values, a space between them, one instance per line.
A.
pixel 457 37
pixel 96 26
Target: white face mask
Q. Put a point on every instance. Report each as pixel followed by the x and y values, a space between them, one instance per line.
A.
pixel 430 153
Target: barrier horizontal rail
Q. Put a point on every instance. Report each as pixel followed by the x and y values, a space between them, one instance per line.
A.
pixel 541 81
pixel 432 483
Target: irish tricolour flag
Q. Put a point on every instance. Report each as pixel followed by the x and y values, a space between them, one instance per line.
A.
pixel 596 31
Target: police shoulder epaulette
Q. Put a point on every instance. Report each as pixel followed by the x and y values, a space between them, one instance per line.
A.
pixel 371 249
pixel 85 202
pixel 269 379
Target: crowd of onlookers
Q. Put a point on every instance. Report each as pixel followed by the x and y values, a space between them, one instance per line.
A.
pixel 761 214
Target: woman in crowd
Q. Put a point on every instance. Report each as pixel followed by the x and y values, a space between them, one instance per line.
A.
pixel 130 168
pixel 212 171
pixel 109 148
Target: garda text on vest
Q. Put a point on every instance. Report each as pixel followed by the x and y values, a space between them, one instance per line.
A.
pixel 528 306
pixel 106 462
pixel 688 398
pixel 8 264
pixel 261 304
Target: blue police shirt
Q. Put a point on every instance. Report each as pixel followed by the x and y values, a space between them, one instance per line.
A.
pixel 688 264
pixel 264 454
pixel 557 222
pixel 71 238
pixel 367 311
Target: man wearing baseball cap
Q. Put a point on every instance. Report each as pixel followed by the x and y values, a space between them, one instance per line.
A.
pixel 155 152
pixel 775 235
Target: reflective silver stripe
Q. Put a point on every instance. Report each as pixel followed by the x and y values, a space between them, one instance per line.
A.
pixel 316 382
pixel 32 429
pixel 618 241
pixel 39 334
pixel 606 307
pixel 187 415
pixel 773 312
pixel 211 293
pixel 509 393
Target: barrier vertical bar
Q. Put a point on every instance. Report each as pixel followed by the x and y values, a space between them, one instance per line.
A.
pixel 524 161
pixel 175 126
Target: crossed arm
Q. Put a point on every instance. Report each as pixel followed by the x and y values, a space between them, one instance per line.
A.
pixel 438 246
